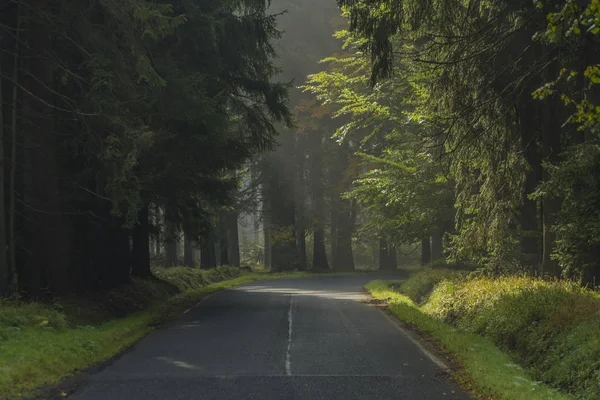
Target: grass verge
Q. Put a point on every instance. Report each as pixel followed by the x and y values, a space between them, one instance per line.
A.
pixel 41 344
pixel 485 369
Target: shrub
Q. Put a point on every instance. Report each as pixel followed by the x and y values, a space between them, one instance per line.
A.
pixel 551 327
pixel 420 284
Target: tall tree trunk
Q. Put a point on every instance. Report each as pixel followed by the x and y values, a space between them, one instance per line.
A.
pixel 5 270
pixel 233 239
pixel 158 227
pixel 171 245
pixel 346 213
pixel 300 189
pixel 425 251
pixel 208 254
pixel 47 267
pixel 437 247
pixel 120 265
pixel 266 217
pixel 188 253
pixel 319 262
pixel 301 243
pixel 284 252
pixel 223 258
pixel 551 147
pixel 345 256
pixel 12 248
pixel 529 217
pixel 388 258
pixel 393 257
pixel 333 229
pixel 141 245
pixel 383 255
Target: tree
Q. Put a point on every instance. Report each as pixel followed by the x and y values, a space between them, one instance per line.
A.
pixel 115 108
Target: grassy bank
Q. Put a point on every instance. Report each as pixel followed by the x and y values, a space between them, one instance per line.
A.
pixel 550 328
pixel 42 343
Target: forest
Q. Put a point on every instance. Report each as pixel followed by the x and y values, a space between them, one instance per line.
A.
pixel 299 136
pixel 465 129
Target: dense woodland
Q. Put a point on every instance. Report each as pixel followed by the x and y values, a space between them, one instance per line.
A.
pixel 296 134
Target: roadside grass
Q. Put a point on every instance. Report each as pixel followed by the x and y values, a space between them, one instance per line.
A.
pixel 40 344
pixel 485 369
pixel 551 328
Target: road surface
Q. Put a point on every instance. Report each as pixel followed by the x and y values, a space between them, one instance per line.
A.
pixel 309 338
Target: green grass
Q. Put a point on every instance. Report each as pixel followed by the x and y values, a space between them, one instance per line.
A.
pixel 485 369
pixel 552 328
pixel 40 344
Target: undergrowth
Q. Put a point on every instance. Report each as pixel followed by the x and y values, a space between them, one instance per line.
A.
pixel 486 370
pixel 550 327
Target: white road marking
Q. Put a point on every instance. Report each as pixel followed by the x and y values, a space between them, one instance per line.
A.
pixel 288 360
pixel 433 358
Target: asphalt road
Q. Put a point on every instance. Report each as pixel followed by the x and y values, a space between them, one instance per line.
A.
pixel 312 338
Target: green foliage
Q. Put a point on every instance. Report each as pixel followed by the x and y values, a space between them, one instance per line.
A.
pixel 576 181
pixel 479 365
pixel 143 103
pixel 404 192
pixel 420 284
pixel 548 326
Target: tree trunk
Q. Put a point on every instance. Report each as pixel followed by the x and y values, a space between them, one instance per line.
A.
pixel 141 245
pixel 345 256
pixel 233 239
pixel 188 253
pixel 383 255
pixel 300 189
pixel 393 257
pixel 282 216
pixel 171 246
pixel 530 252
pixel 12 249
pixel 5 270
pixel 47 266
pixel 333 229
pixel 267 233
pixel 319 262
pixel 208 254
pixel 437 247
pixel 425 251
pixel 114 253
pixel 551 148
pixel 223 258
pixel 158 227
pixel 346 213
pixel 301 233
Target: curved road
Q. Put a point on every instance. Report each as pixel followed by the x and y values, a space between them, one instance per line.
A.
pixel 310 338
